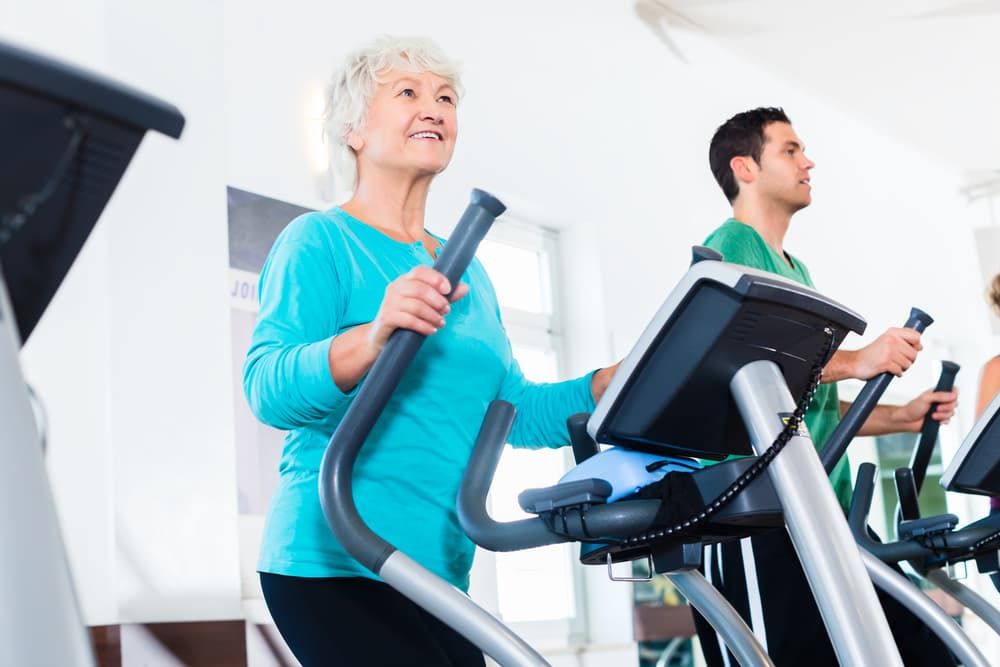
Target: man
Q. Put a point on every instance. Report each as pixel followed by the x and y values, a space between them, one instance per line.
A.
pixel 761 166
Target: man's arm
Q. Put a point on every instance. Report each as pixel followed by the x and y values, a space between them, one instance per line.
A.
pixel 892 352
pixel 908 418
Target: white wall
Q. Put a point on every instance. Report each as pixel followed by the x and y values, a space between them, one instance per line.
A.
pixel 132 359
pixel 573 107
pixel 79 454
pixel 171 391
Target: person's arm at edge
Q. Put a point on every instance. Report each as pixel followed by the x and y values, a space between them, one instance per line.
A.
pixel 600 380
pixel 989 385
pixel 542 408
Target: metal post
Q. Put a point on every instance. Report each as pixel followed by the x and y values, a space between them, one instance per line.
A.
pixel 926 610
pixel 40 620
pixel 968 597
pixel 851 612
pixel 459 612
pixel 730 625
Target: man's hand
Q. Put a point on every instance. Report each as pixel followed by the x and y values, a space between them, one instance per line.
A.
pixel 892 352
pixel 909 418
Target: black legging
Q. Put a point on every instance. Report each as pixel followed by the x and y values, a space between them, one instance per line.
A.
pixel 356 621
pixel 795 631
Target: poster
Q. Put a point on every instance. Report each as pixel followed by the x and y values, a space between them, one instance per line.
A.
pixel 254 223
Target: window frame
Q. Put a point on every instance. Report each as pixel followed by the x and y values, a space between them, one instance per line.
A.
pixel 542 331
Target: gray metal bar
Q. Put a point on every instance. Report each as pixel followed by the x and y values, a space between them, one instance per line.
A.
pixel 925 609
pixel 711 604
pixel 897 552
pixel 458 611
pixel 336 493
pixel 471 506
pixel 623 518
pixel 335 485
pixel 40 620
pixel 669 651
pixel 976 603
pixel 854 619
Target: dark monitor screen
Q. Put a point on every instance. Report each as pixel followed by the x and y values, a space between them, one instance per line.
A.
pixel 976 467
pixel 66 137
pixel 671 394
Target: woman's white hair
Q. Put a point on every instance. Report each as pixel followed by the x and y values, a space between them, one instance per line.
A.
pixel 352 87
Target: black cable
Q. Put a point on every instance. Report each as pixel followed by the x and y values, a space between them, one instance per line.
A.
pixel 759 466
pixel 939 547
pixel 983 542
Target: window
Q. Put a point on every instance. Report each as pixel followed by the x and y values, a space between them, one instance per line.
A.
pixel 894 451
pixel 535 589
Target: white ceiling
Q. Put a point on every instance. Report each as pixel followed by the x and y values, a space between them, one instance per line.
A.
pixel 926 72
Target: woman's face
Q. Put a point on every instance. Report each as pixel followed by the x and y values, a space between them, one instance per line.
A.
pixel 411 125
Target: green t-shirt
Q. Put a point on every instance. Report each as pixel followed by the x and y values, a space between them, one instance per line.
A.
pixel 741 244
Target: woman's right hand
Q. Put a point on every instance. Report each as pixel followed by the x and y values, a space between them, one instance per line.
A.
pixel 418 301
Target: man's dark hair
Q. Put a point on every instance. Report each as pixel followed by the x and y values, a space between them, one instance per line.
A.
pixel 741 135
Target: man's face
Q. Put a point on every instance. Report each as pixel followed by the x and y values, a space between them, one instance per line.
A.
pixel 783 174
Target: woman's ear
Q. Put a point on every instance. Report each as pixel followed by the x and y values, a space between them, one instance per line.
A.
pixel 354 140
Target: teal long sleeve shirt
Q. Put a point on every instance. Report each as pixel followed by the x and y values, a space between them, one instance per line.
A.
pixel 327 273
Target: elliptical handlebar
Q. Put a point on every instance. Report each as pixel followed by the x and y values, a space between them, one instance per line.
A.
pixel 453 607
pixel 857 519
pixel 929 430
pixel 907 550
pixel 472 513
pixel 910 479
pixel 593 523
pixel 336 468
pixel 866 401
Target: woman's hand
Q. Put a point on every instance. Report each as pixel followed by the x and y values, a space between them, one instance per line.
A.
pixel 600 380
pixel 418 301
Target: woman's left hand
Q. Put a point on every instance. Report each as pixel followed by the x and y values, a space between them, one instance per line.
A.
pixel 600 380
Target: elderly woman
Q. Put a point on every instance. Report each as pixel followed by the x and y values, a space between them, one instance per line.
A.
pixel 335 286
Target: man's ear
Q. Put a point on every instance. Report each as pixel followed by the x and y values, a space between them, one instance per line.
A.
pixel 744 168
